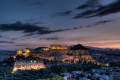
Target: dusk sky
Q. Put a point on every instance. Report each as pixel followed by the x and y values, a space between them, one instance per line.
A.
pixel 40 23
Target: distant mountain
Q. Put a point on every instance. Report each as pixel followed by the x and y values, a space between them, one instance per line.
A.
pixel 101 49
pixel 78 47
pixel 7 52
pixel 4 54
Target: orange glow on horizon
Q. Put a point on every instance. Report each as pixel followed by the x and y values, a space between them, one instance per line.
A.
pixel 107 46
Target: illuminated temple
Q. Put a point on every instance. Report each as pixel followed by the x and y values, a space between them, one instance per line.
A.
pixel 34 58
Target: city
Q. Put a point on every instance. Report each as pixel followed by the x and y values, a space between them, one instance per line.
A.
pixel 60 61
pixel 59 40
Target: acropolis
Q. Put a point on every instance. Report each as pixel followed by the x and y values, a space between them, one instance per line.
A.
pixel 27 59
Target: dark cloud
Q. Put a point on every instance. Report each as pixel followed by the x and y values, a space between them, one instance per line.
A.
pixel 51 38
pixel 10 42
pixel 18 26
pixel 30 34
pixel 109 9
pixel 55 38
pixel 84 14
pixel 101 11
pixel 103 22
pixel 99 23
pixel 36 3
pixel 1 36
pixel 14 39
pixel 20 45
pixel 3 46
pixel 82 6
pixel 29 29
pixel 32 3
pixel 32 21
pixel 38 23
pixel 89 4
pixel 62 13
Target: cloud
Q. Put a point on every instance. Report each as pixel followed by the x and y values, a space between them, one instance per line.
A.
pixel 29 29
pixel 109 9
pixel 14 39
pixel 1 36
pixel 82 6
pixel 96 23
pixel 84 14
pixel 89 4
pixel 32 3
pixel 10 42
pixel 38 23
pixel 62 13
pixel 20 45
pixel 99 23
pixel 101 11
pixel 103 22
pixel 36 3
pixel 51 38
pixel 55 38
pixel 29 34
pixel 3 46
pixel 18 26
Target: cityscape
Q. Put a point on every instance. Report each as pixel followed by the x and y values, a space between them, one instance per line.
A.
pixel 59 40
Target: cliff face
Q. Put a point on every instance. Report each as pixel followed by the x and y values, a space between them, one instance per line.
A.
pixel 63 55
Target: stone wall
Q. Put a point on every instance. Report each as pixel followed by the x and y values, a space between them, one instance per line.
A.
pixel 28 65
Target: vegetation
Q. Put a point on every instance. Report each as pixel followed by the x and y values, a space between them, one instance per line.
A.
pixel 6 67
pixel 113 64
pixel 56 78
pixel 72 67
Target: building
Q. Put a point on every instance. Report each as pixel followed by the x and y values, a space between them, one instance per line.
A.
pixel 28 64
pixel 54 46
pixel 45 49
pixel 24 52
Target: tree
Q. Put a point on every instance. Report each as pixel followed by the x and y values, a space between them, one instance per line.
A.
pixel 48 79
pixel 59 78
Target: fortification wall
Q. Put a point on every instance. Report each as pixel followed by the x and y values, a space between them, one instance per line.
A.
pixel 74 52
pixel 28 65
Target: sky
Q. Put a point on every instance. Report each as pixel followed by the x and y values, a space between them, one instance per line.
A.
pixel 40 23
